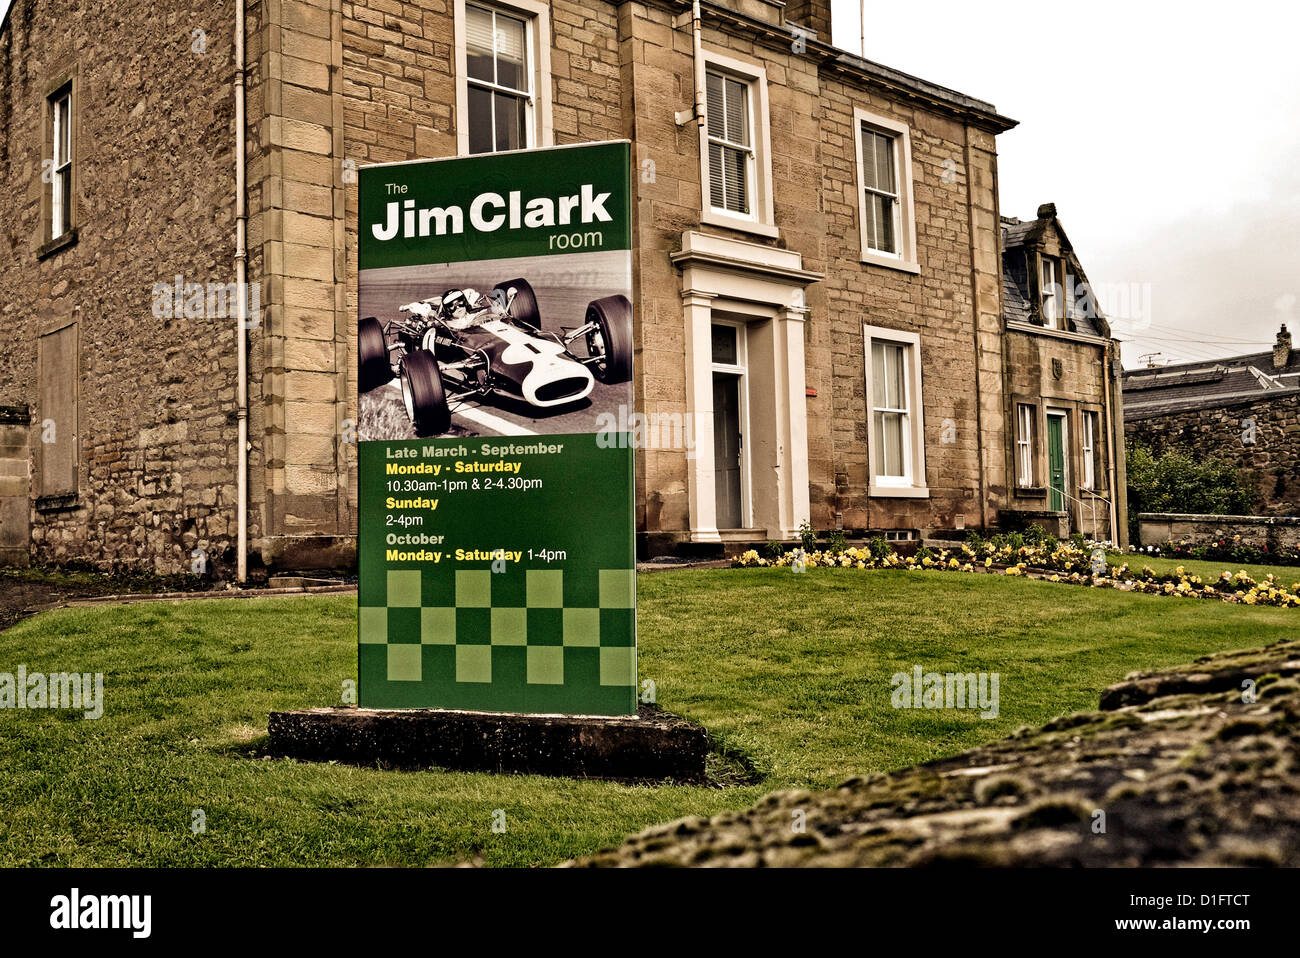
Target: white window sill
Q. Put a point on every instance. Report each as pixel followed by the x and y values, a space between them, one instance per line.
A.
pixel 712 217
pixel 890 262
pixel 898 492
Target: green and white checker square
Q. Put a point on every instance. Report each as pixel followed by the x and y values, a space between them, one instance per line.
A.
pixel 404 662
pixel 545 665
pixel 438 626
pixel 582 627
pixel 545 589
pixel 509 626
pixel 618 665
pixel 403 589
pixel 473 589
pixel 474 663
pixel 617 589
pixel 372 625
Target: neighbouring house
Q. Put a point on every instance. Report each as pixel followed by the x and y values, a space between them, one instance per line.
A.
pixel 1242 409
pixel 820 285
pixel 1062 374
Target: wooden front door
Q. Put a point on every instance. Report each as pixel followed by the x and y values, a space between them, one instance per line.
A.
pixel 727 449
pixel 1056 472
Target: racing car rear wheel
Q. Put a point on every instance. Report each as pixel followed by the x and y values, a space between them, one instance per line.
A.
pixel 426 400
pixel 524 307
pixel 610 344
pixel 373 368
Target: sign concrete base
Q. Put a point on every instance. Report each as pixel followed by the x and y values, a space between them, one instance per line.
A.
pixel 653 746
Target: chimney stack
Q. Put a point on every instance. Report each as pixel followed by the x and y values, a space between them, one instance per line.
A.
pixel 811 15
pixel 1282 349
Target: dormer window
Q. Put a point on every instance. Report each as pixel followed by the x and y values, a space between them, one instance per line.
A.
pixel 1052 294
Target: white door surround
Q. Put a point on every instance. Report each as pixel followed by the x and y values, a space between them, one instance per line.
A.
pixel 763 290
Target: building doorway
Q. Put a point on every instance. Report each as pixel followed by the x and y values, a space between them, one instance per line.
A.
pixel 727 449
pixel 1057 471
pixel 729 424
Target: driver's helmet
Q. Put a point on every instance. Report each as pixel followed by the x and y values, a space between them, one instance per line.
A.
pixel 454 304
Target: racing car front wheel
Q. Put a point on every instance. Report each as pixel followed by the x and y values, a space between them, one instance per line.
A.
pixel 610 343
pixel 426 400
pixel 373 368
pixel 524 306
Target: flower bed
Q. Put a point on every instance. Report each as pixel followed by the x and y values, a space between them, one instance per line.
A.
pixel 1052 561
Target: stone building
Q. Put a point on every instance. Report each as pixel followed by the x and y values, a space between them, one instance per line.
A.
pixel 1242 409
pixel 1064 401
pixel 818 273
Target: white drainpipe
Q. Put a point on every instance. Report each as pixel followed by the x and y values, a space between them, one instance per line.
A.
pixel 697 49
pixel 697 52
pixel 241 277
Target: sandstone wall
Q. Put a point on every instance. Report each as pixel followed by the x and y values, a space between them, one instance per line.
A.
pixel 154 198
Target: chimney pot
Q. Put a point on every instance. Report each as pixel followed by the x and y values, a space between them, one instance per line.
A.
pixel 1047 211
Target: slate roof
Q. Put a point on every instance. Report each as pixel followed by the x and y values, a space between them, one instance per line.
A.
pixel 1016 304
pixel 1208 384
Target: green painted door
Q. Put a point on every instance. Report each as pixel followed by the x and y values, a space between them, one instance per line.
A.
pixel 1056 462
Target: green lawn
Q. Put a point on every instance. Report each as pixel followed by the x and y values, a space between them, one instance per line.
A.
pixel 1209 570
pixel 793 670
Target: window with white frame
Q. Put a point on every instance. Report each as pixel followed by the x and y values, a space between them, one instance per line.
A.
pixel 884 174
pixel 502 54
pixel 731 144
pixel 735 158
pixel 1025 417
pixel 60 177
pixel 499 80
pixel 880 181
pixel 896 438
pixel 1053 295
pixel 1091 461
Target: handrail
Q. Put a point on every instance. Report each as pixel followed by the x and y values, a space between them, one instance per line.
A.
pixel 1091 505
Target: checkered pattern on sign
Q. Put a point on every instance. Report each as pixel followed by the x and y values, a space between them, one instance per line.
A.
pixel 547 629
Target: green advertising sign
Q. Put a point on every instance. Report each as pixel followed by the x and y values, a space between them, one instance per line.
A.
pixel 494 365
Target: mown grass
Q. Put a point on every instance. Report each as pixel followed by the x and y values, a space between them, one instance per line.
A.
pixel 793 670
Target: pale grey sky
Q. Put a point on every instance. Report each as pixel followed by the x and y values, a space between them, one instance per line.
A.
pixel 1167 135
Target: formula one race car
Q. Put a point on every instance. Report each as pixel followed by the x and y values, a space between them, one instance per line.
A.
pixel 463 344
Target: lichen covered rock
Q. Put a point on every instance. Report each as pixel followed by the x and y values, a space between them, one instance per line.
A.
pixel 1190 766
